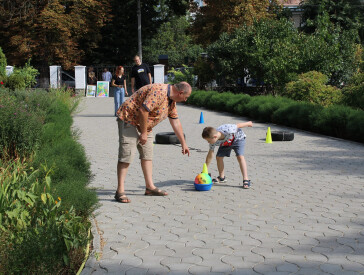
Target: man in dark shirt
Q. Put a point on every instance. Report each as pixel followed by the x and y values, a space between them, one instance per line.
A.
pixel 140 75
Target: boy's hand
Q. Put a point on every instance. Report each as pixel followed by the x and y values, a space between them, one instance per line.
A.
pixel 250 124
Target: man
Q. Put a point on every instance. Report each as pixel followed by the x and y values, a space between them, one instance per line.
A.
pixel 106 75
pixel 136 117
pixel 140 75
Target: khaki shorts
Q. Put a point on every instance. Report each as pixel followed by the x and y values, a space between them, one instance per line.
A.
pixel 128 143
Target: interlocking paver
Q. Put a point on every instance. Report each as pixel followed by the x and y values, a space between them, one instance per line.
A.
pixel 297 217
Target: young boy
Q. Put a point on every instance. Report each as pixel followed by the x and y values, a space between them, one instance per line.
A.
pixel 228 137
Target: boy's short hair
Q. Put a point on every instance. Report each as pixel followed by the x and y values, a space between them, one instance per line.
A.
pixel 208 132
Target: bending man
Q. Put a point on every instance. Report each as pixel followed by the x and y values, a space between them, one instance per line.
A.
pixel 142 111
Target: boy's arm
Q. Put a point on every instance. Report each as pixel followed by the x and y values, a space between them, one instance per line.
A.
pixel 209 157
pixel 245 124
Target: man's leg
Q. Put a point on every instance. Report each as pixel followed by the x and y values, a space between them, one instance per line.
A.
pixel 147 167
pixel 122 170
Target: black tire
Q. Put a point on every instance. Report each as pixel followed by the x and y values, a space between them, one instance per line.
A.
pixel 282 136
pixel 167 138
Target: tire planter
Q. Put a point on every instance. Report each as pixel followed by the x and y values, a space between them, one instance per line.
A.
pixel 282 136
pixel 167 138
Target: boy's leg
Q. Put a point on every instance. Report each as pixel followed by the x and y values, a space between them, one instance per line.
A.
pixel 220 166
pixel 243 167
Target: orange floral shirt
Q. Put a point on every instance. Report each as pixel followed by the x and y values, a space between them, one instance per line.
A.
pixel 155 99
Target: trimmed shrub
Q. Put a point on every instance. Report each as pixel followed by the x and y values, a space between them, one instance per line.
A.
pixel 312 87
pixel 297 114
pixel 200 98
pixel 263 107
pixel 335 120
pixel 354 93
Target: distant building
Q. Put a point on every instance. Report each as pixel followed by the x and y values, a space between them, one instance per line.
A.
pixel 294 7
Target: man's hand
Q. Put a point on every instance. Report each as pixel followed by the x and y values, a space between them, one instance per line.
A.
pixel 185 150
pixel 143 138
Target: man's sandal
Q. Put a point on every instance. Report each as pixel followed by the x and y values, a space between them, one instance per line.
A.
pixel 246 184
pixel 155 192
pixel 121 197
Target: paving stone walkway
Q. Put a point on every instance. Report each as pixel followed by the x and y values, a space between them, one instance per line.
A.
pixel 303 215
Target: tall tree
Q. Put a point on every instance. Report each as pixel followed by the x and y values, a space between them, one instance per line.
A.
pixel 172 39
pixel 348 14
pixel 50 31
pixel 119 38
pixel 217 17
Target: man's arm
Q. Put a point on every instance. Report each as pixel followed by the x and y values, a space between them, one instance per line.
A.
pixel 209 157
pixel 132 80
pixel 177 128
pixel 150 78
pixel 143 123
pixel 245 124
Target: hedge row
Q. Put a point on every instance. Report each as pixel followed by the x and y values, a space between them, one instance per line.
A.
pixel 49 236
pixel 336 120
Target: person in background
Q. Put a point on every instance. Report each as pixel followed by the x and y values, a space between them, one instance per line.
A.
pixel 140 75
pixel 119 83
pixel 91 77
pixel 106 75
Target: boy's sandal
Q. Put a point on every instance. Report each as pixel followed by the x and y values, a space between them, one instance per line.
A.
pixel 155 192
pixel 121 197
pixel 219 180
pixel 246 184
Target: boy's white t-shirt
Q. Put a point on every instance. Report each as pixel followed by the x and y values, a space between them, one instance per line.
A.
pixel 231 132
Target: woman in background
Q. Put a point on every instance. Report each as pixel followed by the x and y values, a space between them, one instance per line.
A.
pixel 119 82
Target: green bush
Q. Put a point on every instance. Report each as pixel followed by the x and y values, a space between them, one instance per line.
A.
pixel 37 236
pixel 200 98
pixel 181 75
pixel 354 93
pixel 312 87
pixel 20 127
pixel 40 234
pixel 333 121
pixel 3 65
pixel 297 114
pixel 22 78
pixel 262 107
